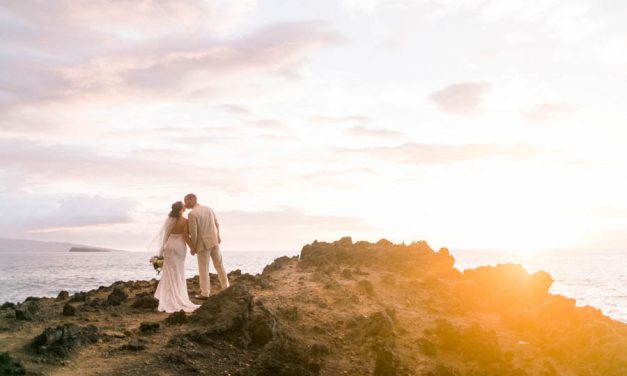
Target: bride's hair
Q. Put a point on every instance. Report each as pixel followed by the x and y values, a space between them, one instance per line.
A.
pixel 176 209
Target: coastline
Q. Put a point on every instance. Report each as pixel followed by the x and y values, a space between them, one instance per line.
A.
pixel 342 307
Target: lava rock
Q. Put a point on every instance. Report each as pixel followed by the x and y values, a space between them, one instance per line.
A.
pixel 442 370
pixel 79 297
pixel 145 300
pixel 261 328
pixel 227 311
pixel 289 313
pixel 149 327
pixel 283 357
pixel 347 274
pixel 378 325
pixel 63 339
pixel 63 295
pixel 176 318
pixel 8 366
pixel 27 311
pixel 135 344
pixel 387 363
pixel 318 349
pixel 278 264
pixel 117 297
pixel 94 302
pixel 367 286
pixel 69 310
pixel 426 347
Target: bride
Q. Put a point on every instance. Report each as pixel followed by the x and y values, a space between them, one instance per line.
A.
pixel 172 288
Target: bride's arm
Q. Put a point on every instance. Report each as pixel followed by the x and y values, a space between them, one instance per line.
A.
pixel 187 238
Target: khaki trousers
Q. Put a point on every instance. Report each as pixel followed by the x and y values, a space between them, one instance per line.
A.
pixel 203 269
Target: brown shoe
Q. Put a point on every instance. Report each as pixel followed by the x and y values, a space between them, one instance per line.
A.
pixel 200 297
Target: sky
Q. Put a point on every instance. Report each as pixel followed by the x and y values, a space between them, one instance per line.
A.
pixel 471 124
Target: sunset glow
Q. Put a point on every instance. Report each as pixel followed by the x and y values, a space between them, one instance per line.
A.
pixel 299 121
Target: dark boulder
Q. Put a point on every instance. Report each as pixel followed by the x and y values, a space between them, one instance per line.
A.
pixel 69 310
pixel 227 311
pixel 262 327
pixel 63 339
pixel 27 311
pixel 366 286
pixel 442 370
pixel 289 313
pixel 79 297
pixel 135 344
pixel 149 327
pixel 117 297
pixel 319 349
pixel 278 264
pixel 426 347
pixel 347 274
pixel 63 295
pixel 473 343
pixel 283 357
pixel 145 301
pixel 8 366
pixel 94 302
pixel 176 318
pixel 387 363
pixel 377 328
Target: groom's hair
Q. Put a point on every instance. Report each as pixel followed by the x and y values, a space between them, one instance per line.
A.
pixel 191 198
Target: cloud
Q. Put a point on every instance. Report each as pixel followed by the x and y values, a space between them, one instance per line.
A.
pixel 33 213
pixel 424 154
pixel 47 164
pixel 104 63
pixel 547 112
pixel 235 109
pixel 270 124
pixel 121 19
pixel 350 119
pixel 461 98
pixel 360 131
pixel 273 49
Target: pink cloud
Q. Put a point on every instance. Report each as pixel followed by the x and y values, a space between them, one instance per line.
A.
pixel 420 154
pixel 338 119
pixel 462 98
pixel 41 213
pixel 360 131
pixel 48 164
pixel 547 112
pixel 184 64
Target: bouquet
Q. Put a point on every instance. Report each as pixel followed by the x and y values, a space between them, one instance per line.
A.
pixel 157 263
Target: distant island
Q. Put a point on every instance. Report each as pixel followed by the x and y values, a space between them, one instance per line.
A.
pixel 92 249
pixel 26 245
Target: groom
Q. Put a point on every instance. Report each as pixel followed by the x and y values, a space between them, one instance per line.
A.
pixel 205 233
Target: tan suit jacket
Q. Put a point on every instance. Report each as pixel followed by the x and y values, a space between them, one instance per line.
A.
pixel 203 228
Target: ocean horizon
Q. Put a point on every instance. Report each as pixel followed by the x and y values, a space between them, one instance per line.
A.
pixel 596 280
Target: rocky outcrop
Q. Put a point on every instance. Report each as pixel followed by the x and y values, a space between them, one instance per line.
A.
pixel 9 366
pixel 61 340
pixel 339 308
pixel 117 297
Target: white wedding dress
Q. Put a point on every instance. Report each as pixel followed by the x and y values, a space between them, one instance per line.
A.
pixel 172 288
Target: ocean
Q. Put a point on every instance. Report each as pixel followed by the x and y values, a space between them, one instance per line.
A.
pixel 598 279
